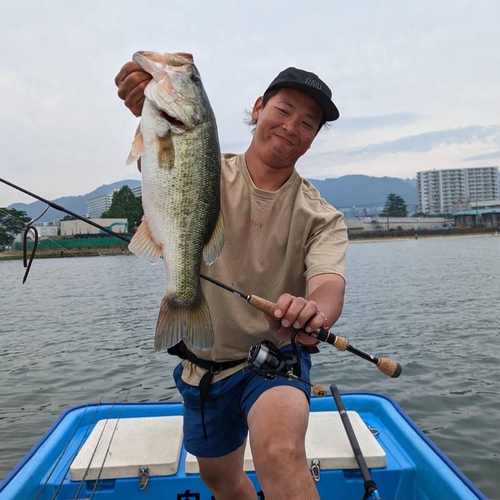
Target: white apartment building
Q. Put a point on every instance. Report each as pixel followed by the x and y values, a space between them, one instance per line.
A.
pixel 137 191
pixel 97 206
pixel 438 190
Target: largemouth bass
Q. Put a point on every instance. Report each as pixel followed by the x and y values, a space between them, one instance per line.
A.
pixel 180 165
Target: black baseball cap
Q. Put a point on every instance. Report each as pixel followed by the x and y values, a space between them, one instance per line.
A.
pixel 310 84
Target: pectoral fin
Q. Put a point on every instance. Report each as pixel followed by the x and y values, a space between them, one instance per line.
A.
pixel 143 244
pixel 166 154
pixel 213 249
pixel 137 149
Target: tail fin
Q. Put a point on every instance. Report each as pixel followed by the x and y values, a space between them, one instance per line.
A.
pixel 176 322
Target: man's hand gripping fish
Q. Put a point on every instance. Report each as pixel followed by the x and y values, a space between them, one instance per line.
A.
pixel 180 165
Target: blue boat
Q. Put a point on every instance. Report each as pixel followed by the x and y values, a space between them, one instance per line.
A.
pixel 109 451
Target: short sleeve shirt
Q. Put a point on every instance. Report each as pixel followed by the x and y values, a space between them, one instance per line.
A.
pixel 274 243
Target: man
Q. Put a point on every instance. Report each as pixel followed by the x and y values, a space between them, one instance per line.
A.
pixel 281 240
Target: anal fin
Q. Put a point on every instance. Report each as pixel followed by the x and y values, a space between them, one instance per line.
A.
pixel 143 244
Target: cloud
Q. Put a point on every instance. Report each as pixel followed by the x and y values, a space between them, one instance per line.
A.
pixel 486 156
pixel 360 124
pixel 419 143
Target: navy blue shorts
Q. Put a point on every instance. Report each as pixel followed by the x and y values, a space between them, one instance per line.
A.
pixel 227 405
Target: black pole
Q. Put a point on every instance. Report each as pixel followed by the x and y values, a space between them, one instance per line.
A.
pixel 369 483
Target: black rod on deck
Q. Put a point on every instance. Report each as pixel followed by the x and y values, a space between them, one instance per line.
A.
pixel 369 484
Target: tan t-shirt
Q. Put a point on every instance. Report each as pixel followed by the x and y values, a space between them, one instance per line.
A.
pixel 274 243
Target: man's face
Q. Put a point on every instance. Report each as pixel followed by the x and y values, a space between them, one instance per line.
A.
pixel 286 126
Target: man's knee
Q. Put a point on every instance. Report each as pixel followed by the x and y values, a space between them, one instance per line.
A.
pixel 224 472
pixel 279 455
pixel 218 480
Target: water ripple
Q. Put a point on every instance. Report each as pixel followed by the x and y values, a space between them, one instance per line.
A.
pixel 82 329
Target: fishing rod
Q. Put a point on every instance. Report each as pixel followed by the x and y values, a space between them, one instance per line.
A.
pixel 371 491
pixel 387 366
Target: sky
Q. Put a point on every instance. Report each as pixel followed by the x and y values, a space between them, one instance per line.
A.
pixel 417 83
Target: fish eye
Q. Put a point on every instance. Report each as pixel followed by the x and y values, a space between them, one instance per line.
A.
pixel 196 79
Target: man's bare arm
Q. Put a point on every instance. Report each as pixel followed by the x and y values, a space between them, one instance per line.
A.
pixel 322 308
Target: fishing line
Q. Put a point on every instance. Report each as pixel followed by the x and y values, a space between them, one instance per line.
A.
pixel 51 241
pixel 94 452
pixel 77 426
pixel 78 449
pixel 108 448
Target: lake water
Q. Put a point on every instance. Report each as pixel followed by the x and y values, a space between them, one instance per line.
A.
pixel 83 328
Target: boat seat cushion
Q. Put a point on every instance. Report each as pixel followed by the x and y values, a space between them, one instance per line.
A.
pixel 327 442
pixel 155 442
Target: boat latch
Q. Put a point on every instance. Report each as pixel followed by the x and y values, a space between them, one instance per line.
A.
pixel 315 470
pixel 143 478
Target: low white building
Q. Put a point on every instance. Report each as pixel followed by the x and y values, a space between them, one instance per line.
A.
pixel 378 223
pixel 45 230
pixel 73 227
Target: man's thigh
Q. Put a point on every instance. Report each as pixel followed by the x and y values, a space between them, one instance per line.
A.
pixel 224 420
pixel 278 419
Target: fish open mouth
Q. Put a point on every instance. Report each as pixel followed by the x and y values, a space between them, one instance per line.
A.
pixel 170 119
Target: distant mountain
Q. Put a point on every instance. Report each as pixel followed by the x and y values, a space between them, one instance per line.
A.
pixel 365 191
pixel 361 191
pixel 77 204
pixel 412 182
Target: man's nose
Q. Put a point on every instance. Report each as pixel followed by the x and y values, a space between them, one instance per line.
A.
pixel 290 125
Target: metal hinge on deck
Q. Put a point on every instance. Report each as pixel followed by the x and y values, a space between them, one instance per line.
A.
pixel 316 470
pixel 143 478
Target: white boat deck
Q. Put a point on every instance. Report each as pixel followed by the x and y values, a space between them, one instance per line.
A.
pixel 156 443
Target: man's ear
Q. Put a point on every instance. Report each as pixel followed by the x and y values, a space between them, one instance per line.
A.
pixel 257 107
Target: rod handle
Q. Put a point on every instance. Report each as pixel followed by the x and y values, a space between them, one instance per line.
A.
pixel 322 334
pixel 389 367
pixel 263 305
pixel 325 335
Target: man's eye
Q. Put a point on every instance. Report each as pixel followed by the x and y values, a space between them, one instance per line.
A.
pixel 308 125
pixel 283 111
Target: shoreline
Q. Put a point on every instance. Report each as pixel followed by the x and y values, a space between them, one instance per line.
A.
pixel 421 237
pixel 58 254
pixel 103 252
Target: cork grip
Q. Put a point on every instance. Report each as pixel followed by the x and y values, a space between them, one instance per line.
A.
pixel 389 367
pixel 262 305
pixel 341 343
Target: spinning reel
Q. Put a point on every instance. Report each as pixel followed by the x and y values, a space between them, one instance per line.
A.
pixel 268 361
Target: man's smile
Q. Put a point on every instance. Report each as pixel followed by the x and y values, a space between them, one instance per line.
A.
pixel 284 140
